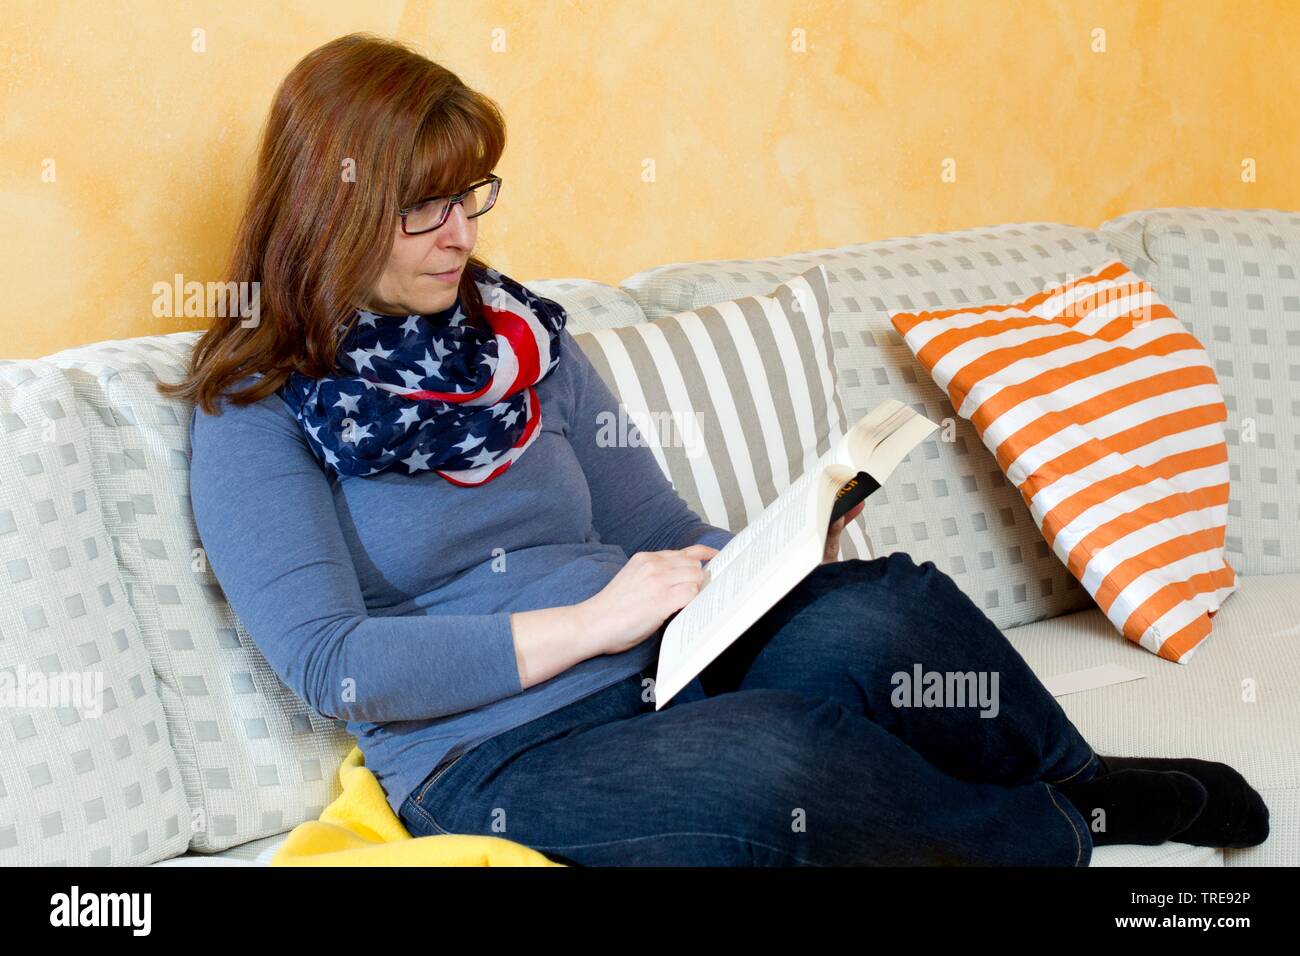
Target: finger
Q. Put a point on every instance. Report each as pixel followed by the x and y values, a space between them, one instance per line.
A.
pixel 685 556
pixel 690 587
pixel 691 573
pixel 683 594
pixel 699 551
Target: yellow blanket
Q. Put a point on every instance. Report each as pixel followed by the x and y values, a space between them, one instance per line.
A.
pixel 360 829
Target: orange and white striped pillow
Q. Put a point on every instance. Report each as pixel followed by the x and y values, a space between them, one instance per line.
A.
pixel 1105 412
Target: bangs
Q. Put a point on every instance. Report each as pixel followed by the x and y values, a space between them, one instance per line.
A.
pixel 450 152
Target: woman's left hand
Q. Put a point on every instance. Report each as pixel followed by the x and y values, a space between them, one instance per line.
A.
pixel 832 551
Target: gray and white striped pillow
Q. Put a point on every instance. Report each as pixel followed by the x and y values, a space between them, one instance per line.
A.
pixel 734 399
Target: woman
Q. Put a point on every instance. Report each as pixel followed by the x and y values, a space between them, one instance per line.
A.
pixel 406 504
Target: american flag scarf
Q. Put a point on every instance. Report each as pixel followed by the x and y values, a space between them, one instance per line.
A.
pixel 435 392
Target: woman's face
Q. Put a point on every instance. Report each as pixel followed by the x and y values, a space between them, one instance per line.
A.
pixel 410 284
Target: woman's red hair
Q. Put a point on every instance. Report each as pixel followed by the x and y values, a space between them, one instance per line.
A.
pixel 360 128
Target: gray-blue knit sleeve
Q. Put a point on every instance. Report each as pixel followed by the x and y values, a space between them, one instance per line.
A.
pixel 265 514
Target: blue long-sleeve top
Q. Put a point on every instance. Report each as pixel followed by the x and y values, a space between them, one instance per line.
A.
pixel 385 601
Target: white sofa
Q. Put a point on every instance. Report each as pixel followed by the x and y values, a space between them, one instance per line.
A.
pixel 101 571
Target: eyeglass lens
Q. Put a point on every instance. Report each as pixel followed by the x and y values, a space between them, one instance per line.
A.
pixel 431 214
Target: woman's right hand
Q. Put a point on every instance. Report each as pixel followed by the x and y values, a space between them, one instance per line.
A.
pixel 646 590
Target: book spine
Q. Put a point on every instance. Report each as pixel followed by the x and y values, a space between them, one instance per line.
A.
pixel 854 490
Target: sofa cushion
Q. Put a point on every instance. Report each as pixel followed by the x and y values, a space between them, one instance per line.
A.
pixel 254 759
pixel 590 305
pixel 949 502
pixel 252 853
pixel 736 400
pixel 87 772
pixel 1105 413
pixel 1237 704
pixel 1231 275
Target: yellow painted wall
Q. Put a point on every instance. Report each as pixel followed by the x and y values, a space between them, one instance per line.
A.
pixel 757 148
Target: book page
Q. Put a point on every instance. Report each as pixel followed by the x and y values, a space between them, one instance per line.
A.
pixel 778 549
pixel 762 561
pixel 857 444
pixel 882 438
pixel 740 542
pixel 742 561
pixel 905 432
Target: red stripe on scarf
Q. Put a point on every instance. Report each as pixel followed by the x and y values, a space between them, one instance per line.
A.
pixel 527 356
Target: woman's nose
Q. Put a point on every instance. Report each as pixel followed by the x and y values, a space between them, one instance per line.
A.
pixel 458 228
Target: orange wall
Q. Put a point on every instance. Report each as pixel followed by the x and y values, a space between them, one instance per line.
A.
pixel 757 148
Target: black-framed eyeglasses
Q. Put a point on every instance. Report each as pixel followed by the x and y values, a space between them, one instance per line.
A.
pixel 426 215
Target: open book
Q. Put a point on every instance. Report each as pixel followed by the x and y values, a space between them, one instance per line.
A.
pixel 779 548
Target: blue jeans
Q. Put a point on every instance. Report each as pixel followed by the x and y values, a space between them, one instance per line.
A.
pixel 818 738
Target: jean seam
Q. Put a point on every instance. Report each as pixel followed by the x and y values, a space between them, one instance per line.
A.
pixel 1092 756
pixel 427 817
pixel 694 834
pixel 1078 838
pixel 424 790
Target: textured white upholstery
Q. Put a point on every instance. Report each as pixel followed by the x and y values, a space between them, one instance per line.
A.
pixel 87 774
